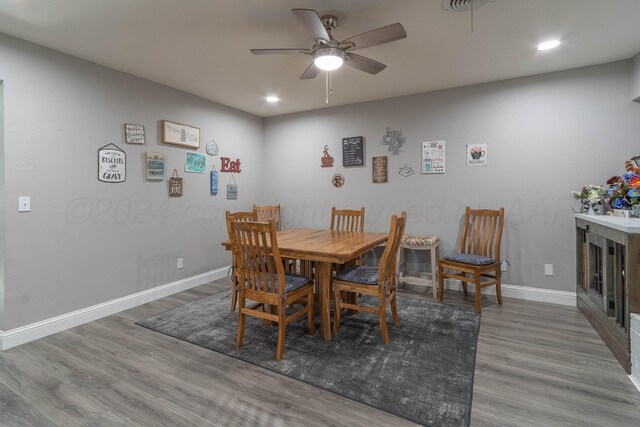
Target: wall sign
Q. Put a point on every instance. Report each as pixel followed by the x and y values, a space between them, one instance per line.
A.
pixel 230 166
pixel 232 190
pixel 212 148
pixel 326 159
pixel 195 162
pixel 395 140
pixel 112 164
pixel 433 157
pixel 477 155
pixel 155 166
pixel 175 185
pixel 379 169
pixel 180 135
pixel 133 134
pixel 214 181
pixel 353 151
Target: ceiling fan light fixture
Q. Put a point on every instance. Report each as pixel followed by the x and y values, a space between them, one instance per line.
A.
pixel 328 58
pixel 550 44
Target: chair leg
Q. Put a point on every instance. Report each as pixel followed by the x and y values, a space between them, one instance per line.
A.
pixel 440 283
pixel 282 329
pixel 465 289
pixel 382 316
pixel 234 297
pixel 498 288
pixel 394 309
pixel 311 324
pixel 336 308
pixel 241 320
pixel 478 284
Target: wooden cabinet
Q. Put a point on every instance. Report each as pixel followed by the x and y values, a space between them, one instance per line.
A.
pixel 608 278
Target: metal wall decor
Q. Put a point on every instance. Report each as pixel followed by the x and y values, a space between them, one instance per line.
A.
pixel 379 169
pixel 232 189
pixel 395 140
pixel 326 159
pixel 477 155
pixel 337 180
pixel 230 166
pixel 112 164
pixel 406 170
pixel 175 185
pixel 155 166
pixel 195 162
pixel 212 148
pixel 181 135
pixel 353 151
pixel 133 134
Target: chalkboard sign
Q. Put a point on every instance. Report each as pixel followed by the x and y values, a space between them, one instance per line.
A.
pixel 353 151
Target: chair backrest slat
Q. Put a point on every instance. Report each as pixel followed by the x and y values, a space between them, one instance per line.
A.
pixel 347 219
pixel 259 257
pixel 266 212
pixel 482 232
pixel 388 263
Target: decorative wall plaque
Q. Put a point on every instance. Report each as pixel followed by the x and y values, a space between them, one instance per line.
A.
pixel 326 159
pixel 195 162
pixel 379 168
pixel 214 181
pixel 133 134
pixel 353 151
pixel 155 166
pixel 337 180
pixel 433 157
pixel 232 190
pixel 112 164
pixel 477 155
pixel 175 185
pixel 212 148
pixel 395 140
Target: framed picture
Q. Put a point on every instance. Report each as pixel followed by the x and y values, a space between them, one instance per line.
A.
pixel 353 151
pixel 181 135
pixel 433 153
pixel 195 162
pixel 477 155
pixel 133 134
pixel 155 166
pixel 379 169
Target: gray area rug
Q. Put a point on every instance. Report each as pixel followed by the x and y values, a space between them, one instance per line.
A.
pixel 425 375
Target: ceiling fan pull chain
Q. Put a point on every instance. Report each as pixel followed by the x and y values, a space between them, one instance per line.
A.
pixel 326 88
pixel 330 83
pixel 472 2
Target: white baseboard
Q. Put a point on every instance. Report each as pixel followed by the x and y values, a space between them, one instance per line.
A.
pixel 522 292
pixel 635 381
pixel 34 331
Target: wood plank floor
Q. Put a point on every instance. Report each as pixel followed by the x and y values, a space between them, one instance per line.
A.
pixel 537 365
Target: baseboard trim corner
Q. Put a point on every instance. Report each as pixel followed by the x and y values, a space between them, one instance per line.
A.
pixel 635 381
pixel 41 329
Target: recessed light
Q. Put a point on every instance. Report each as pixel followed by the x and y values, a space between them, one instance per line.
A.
pixel 272 98
pixel 549 45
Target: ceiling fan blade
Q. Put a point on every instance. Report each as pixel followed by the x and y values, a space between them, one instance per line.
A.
pixel 311 21
pixel 362 63
pixel 279 51
pixel 376 37
pixel 311 72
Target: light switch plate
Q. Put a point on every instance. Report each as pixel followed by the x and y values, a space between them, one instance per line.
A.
pixel 548 269
pixel 24 204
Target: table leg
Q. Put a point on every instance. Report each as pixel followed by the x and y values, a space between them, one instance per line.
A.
pixel 323 276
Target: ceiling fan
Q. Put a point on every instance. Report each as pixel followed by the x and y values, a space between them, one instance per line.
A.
pixel 328 53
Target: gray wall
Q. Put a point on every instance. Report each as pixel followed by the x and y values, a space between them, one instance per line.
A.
pixel 87 242
pixel 2 208
pixel 546 135
pixel 635 78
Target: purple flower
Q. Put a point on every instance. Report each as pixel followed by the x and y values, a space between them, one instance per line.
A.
pixel 620 204
pixel 634 192
pixel 627 176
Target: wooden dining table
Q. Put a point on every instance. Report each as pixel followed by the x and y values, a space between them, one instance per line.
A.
pixel 325 247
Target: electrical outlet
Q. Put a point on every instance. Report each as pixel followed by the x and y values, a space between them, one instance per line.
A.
pixel 180 263
pixel 548 269
pixel 504 265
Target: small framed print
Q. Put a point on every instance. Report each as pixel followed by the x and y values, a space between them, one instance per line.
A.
pixel 133 134
pixel 112 164
pixel 195 162
pixel 181 135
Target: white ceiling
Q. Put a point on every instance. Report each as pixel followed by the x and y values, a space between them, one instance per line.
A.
pixel 202 46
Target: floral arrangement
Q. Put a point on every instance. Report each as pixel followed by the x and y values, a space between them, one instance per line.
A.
pixel 592 193
pixel 624 191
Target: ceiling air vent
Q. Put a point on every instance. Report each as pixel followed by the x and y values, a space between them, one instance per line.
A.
pixel 464 5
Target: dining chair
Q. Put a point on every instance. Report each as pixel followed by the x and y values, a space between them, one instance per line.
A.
pixel 347 219
pixel 266 212
pixel 230 217
pixel 479 255
pixel 264 281
pixel 377 282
